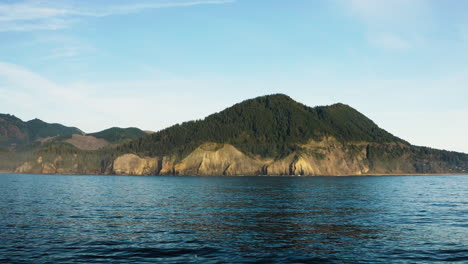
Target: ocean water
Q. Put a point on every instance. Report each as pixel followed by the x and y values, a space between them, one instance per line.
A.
pixel 137 219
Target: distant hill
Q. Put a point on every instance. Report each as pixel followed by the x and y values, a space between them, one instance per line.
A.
pixel 267 135
pixel 14 132
pixel 40 129
pixel 116 134
pixel 98 140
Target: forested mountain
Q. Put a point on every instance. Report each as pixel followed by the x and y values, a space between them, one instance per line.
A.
pixel 17 135
pixel 270 126
pixel 14 132
pixel 268 135
pixel 40 129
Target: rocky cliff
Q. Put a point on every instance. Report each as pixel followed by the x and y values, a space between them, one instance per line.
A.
pixel 325 157
pixel 131 164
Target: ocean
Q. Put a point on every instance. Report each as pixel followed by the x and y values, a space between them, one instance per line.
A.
pixel 170 219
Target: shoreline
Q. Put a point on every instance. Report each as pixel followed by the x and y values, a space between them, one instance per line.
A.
pixel 305 176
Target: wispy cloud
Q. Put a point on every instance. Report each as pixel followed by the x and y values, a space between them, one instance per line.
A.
pixel 388 11
pixel 15 77
pixel 98 105
pixel 63 48
pixel 28 11
pixel 387 22
pixel 390 41
pixel 49 15
pixel 137 7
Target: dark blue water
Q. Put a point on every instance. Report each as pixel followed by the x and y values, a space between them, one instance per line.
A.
pixel 120 219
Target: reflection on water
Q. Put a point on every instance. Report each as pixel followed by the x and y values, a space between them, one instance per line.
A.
pixel 70 219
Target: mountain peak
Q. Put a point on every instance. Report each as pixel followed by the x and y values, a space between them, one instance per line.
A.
pixel 269 126
pixel 15 132
pixel 279 96
pixel 36 120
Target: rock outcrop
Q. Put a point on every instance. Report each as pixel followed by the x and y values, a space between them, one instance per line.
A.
pixel 326 157
pixel 55 166
pixel 131 164
pixel 218 159
pixel 26 167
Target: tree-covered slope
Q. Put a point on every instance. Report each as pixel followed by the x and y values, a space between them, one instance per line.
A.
pixel 269 126
pixel 40 129
pixel 116 134
pixel 14 132
pixel 18 135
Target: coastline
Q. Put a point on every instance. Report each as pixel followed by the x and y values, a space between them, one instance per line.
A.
pixel 306 176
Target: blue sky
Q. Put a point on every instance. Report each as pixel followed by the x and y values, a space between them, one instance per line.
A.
pixel 151 64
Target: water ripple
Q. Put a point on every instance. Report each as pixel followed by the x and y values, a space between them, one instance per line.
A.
pixel 102 219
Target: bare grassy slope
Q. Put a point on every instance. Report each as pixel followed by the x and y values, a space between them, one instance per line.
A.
pixel 87 142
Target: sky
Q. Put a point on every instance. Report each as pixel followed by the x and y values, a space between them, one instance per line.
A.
pixel 96 64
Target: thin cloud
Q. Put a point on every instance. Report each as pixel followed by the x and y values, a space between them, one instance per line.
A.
pixel 390 41
pixel 96 106
pixel 32 25
pixel 28 11
pixel 388 12
pixel 138 7
pixel 387 22
pixel 21 79
pixel 37 15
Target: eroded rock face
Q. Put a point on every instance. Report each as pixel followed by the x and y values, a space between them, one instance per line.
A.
pixel 167 165
pixel 26 167
pixel 42 167
pixel 326 157
pixel 218 159
pixel 49 168
pixel 131 164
